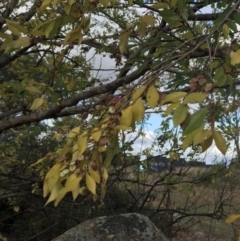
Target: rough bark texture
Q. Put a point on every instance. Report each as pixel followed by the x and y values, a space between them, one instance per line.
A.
pixel 123 227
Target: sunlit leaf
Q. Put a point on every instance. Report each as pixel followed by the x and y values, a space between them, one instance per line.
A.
pixel 225 30
pixel 138 92
pixel 91 184
pixel 126 118
pixel 152 96
pixel 235 57
pixel 94 174
pixel 70 186
pixel 82 143
pixel 51 178
pixel 138 110
pixel 96 134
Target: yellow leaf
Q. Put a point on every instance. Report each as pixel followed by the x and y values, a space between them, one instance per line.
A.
pixel 235 57
pixel 15 28
pixel 122 127
pixel 138 110
pixel 188 36
pixel 152 96
pixel 5 36
pixel 126 118
pixel 94 174
pixel 105 174
pixel 75 192
pixel 200 136
pixel 96 134
pixel 45 4
pixel 104 2
pixel 207 143
pixel 71 185
pixel 173 3
pixel 21 42
pixel 160 5
pixel 54 192
pixel 220 141
pixel 74 132
pixel 37 103
pixel 130 2
pixel 51 178
pixel 148 19
pixel 75 154
pixel 33 89
pixel 67 8
pixel 110 152
pixel 225 30
pixel 195 98
pixel 82 143
pixel 39 161
pixel 73 35
pixel 170 108
pixel 173 97
pixel 16 209
pixel 123 41
pixel 138 92
pixel 91 184
pixel 232 218
pixel 180 114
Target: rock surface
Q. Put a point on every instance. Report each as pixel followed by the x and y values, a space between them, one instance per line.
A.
pixel 123 227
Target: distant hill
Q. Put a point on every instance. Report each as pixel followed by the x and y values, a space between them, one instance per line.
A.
pixel 161 163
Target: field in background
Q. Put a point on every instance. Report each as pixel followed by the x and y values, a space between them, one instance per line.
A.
pixel 197 208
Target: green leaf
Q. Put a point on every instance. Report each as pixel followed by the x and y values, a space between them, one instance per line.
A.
pixel 220 77
pixel 236 18
pixel 180 114
pixel 195 121
pixel 169 16
pixel 232 25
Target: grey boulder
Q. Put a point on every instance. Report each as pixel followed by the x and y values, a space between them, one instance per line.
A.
pixel 123 227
